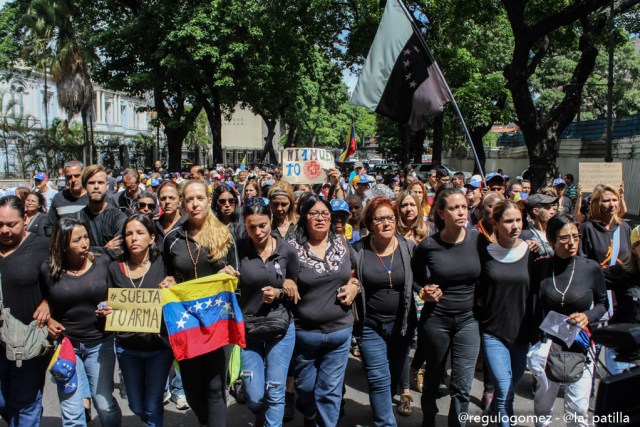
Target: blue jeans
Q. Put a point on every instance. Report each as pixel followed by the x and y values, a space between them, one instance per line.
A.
pixel 384 350
pixel 21 390
pixel 144 374
pixel 320 364
pixel 98 359
pixel 264 375
pixel 506 365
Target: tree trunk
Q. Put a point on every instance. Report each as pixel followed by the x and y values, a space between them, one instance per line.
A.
pixel 436 146
pixel 291 137
pixel 477 134
pixel 418 145
pixel 268 142
pixel 217 128
pixel 86 149
pixel 46 108
pixel 175 137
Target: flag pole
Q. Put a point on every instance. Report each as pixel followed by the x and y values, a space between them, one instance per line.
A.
pixel 453 99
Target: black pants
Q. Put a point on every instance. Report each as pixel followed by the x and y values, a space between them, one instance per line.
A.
pixel 441 334
pixel 204 379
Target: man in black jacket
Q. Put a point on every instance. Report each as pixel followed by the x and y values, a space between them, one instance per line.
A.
pixel 105 222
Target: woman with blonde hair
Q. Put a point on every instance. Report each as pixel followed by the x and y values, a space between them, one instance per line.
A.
pixel 411 224
pixel 281 201
pixel 420 191
pixel 200 247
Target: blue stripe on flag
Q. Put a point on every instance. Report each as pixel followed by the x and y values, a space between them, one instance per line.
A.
pixel 204 312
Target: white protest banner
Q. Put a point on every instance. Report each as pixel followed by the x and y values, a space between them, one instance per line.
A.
pixel 592 174
pixel 304 165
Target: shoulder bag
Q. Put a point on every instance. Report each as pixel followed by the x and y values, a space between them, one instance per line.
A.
pixel 268 326
pixel 564 366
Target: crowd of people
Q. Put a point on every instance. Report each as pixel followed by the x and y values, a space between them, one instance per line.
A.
pixel 464 270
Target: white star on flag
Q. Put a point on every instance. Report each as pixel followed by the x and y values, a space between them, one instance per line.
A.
pixel 218 302
pixel 226 306
pixel 412 84
pixel 198 306
pixel 407 52
pixel 181 323
pixel 208 303
pixel 185 315
pixel 408 76
pixel 406 63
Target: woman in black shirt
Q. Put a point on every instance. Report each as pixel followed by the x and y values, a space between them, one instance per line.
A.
pixel 283 208
pixel 35 213
pixel 574 286
pixel 224 204
pixel 170 213
pixel 144 358
pixel 21 254
pixel 386 308
pixel 202 246
pixel 76 280
pixel 268 271
pixel 503 299
pixel 447 265
pixel 323 316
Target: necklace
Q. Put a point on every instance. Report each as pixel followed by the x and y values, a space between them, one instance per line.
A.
pixel 388 270
pixel 271 239
pixel 126 267
pixel 553 275
pixel 194 262
pixel 76 272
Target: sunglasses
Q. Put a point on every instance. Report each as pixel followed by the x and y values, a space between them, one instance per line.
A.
pixel 142 205
pixel 261 201
pixel 223 202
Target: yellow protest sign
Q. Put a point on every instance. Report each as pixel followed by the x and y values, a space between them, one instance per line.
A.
pixel 592 174
pixel 134 310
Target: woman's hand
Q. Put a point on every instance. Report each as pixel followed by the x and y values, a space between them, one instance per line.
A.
pixel 431 293
pixel 114 243
pixel 579 319
pixel 579 191
pixel 42 314
pixel 105 311
pixel 168 282
pixel 291 289
pixel 269 294
pixel 534 246
pixel 333 176
pixel 349 291
pixel 229 270
pixel 55 328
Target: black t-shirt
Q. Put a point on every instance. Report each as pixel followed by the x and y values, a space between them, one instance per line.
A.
pixel 178 260
pixel 256 274
pixel 384 302
pixel 75 300
pixel 21 291
pixel 596 242
pixel 318 283
pixel 63 205
pixel 453 267
pixel 586 292
pixel 503 296
pixel 118 278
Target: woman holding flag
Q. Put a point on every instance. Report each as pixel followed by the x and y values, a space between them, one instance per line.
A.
pixel 201 247
pixel 268 272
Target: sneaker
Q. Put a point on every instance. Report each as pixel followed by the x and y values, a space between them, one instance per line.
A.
pixel 181 401
pixel 404 408
pixel 289 401
pixel 443 390
pixel 418 378
pixel 167 397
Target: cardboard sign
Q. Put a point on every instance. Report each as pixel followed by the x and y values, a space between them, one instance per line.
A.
pixel 134 310
pixel 306 165
pixel 592 174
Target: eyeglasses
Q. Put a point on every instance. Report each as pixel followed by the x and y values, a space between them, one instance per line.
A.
pixel 262 201
pixel 319 214
pixel 142 205
pixel 380 219
pixel 223 202
pixel 566 238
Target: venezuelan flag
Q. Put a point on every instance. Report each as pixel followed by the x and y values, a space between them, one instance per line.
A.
pixel 351 146
pixel 203 315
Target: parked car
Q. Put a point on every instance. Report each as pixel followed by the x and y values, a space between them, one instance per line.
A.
pixel 422 171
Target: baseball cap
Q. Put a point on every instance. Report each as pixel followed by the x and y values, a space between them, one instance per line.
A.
pixel 231 184
pixel 495 177
pixel 155 182
pixel 635 235
pixel 63 367
pixel 364 179
pixel 167 176
pixel 40 176
pixel 357 165
pixel 338 205
pixel 539 199
pixel 379 178
pixel 474 183
pixel 558 182
pixel 216 176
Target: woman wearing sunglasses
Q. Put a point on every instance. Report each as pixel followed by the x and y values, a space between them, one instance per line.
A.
pixel 146 203
pixel 268 272
pixel 224 204
pixel 323 316
pixel 282 205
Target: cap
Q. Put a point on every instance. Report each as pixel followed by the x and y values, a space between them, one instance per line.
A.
pixel 119 178
pixel 358 164
pixel 474 183
pixel 558 182
pixel 364 179
pixel 40 176
pixel 539 199
pixel 379 178
pixel 231 184
pixel 63 367
pixel 167 176
pixel 635 235
pixel 338 205
pixel 495 177
pixel 155 182
pixel 216 176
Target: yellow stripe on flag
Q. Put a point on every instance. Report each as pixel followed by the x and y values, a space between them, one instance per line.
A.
pixel 201 287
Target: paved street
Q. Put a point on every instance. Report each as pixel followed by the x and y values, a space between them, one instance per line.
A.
pixel 357 411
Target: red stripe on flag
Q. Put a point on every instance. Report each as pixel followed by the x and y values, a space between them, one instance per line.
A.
pixel 195 342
